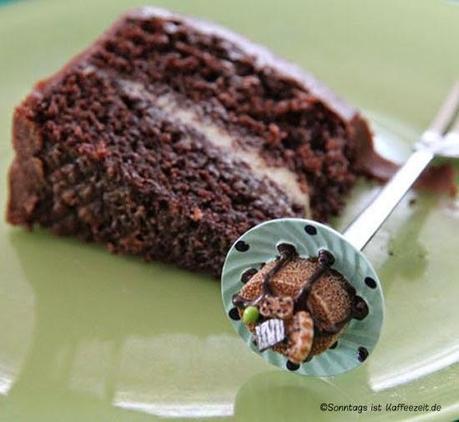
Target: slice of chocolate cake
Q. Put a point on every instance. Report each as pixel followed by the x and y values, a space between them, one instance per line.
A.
pixel 169 137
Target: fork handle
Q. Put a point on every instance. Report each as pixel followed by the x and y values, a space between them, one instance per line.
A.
pixel 364 227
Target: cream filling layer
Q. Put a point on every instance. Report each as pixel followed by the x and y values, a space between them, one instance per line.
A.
pixel 224 141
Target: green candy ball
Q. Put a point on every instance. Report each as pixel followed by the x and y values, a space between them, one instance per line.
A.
pixel 250 315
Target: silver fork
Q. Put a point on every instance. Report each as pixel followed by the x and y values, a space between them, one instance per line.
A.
pixel 437 140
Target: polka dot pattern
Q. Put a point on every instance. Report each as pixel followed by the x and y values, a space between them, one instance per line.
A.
pixel 292 366
pixel 362 353
pixel 326 258
pixel 234 314
pixel 359 308
pixel 242 246
pixel 311 230
pixel 287 248
pixel 370 282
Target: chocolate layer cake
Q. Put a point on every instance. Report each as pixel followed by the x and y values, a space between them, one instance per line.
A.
pixel 169 137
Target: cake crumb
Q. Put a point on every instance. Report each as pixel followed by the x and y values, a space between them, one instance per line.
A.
pixel 196 214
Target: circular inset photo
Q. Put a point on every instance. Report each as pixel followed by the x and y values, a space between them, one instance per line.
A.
pixel 302 297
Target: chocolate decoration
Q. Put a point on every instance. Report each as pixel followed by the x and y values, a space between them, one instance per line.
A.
pixel 359 308
pixel 319 330
pixel 248 274
pixel 269 333
pixel 287 249
pixel 439 179
pixel 266 286
pixel 326 259
pixel 310 230
pixel 287 254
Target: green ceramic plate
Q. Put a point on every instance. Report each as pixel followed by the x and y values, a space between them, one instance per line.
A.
pixel 86 336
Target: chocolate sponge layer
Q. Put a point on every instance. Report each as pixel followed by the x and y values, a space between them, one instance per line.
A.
pixel 104 153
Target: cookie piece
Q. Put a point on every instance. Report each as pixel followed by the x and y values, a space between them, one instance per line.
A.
pixel 330 302
pixel 300 337
pixel 277 307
